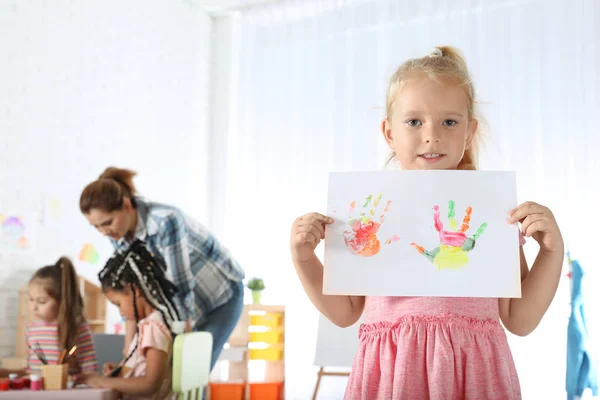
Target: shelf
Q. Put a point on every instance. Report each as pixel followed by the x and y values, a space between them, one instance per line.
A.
pixel 263 345
pixel 266 307
pixel 259 340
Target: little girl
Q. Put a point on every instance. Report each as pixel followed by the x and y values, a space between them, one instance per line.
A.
pixel 435 347
pixel 57 306
pixel 136 283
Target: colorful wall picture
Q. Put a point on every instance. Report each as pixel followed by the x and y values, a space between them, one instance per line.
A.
pixel 89 254
pixel 54 208
pixel 13 233
pixel 422 233
pixel 23 242
pixel 13 223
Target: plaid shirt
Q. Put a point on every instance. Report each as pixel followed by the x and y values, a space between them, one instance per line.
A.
pixel 203 270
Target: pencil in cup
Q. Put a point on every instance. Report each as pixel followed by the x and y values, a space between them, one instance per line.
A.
pixel 64 356
pixel 39 353
pixel 61 359
pixel 55 376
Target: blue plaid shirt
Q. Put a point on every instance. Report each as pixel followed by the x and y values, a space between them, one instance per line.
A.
pixel 203 270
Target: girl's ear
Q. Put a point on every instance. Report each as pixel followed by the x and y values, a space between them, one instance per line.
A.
pixel 386 130
pixel 473 124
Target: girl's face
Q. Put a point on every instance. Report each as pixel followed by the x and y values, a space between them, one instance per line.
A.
pixel 429 126
pixel 41 304
pixel 114 224
pixel 124 301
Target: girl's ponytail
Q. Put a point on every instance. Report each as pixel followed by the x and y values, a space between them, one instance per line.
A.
pixel 70 311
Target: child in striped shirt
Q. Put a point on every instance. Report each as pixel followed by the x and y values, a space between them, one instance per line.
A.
pixel 57 306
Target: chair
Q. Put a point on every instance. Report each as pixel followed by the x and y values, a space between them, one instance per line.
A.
pixel 109 348
pixel 191 364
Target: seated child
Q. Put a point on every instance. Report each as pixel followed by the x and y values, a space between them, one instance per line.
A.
pixel 136 283
pixel 57 306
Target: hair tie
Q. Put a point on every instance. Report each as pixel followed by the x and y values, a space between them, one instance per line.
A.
pixel 178 327
pixel 436 52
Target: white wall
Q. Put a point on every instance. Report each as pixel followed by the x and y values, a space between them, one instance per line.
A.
pixel 87 84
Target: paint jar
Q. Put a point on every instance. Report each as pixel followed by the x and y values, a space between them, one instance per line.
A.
pixel 4 385
pixel 12 377
pixel 17 384
pixel 36 383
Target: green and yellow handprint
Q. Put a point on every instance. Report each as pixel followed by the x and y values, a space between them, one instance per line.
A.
pixel 452 253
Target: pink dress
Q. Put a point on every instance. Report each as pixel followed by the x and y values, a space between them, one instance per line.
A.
pixel 458 350
pixel 438 348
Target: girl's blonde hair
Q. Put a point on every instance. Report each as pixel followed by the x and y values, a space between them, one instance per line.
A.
pixel 444 65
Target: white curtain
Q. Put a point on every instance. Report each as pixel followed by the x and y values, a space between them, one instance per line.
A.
pixel 305 97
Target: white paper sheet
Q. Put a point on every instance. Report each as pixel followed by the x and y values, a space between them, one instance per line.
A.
pixel 379 252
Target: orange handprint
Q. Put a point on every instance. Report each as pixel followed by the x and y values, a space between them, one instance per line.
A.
pixel 361 239
pixel 454 243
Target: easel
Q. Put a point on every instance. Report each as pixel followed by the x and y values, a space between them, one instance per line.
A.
pixel 323 373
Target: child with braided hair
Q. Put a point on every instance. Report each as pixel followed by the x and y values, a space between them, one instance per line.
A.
pixel 135 281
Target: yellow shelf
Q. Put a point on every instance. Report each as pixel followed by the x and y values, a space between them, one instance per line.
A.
pixel 270 320
pixel 269 337
pixel 261 333
pixel 270 354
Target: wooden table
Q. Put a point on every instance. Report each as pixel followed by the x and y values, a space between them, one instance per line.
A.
pixel 75 394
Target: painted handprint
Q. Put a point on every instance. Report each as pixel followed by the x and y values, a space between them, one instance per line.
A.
pixel 452 253
pixel 361 237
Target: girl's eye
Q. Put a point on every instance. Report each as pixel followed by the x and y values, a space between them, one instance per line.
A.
pixel 413 122
pixel 450 122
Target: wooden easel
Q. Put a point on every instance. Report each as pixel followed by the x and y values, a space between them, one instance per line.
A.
pixel 323 373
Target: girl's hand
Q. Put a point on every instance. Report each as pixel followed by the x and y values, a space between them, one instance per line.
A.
pixel 307 232
pixel 538 222
pixel 93 380
pixel 107 368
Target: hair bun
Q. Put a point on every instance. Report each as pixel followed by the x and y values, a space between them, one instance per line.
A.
pixel 436 52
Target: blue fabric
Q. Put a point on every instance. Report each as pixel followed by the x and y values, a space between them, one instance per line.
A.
pixel 582 372
pixel 223 320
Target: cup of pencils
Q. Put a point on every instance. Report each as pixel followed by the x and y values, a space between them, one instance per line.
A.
pixel 55 375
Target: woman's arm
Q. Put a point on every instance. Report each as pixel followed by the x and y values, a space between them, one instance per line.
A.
pixel 174 249
pixel 538 287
